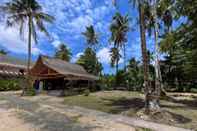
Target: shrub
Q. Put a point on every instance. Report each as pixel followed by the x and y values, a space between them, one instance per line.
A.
pixel 87 92
pixel 30 91
pixel 193 90
pixel 9 85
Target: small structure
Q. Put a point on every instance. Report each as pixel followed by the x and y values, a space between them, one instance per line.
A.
pixel 56 73
pixel 11 67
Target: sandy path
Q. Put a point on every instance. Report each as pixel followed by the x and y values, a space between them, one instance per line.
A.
pixel 9 122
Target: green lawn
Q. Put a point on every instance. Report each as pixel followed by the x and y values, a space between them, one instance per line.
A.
pixel 182 113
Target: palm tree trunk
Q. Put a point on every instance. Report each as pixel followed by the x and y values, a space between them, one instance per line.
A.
pixel 144 57
pixel 124 50
pixel 29 55
pixel 29 47
pixel 116 74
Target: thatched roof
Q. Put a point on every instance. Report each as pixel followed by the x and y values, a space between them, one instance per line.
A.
pixel 6 60
pixel 64 68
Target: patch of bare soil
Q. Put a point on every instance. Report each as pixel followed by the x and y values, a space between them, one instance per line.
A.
pixel 163 116
pixel 104 125
pixel 10 122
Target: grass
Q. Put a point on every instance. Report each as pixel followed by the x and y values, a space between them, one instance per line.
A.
pixel 110 102
pixel 181 113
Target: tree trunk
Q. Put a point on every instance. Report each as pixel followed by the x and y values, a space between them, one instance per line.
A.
pixel 144 57
pixel 29 55
pixel 116 75
pixel 124 50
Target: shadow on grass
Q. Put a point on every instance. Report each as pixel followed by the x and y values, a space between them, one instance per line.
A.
pixel 124 104
pixel 133 105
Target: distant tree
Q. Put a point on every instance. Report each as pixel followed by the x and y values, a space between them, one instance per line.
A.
pixel 3 52
pixel 134 74
pixel 90 62
pixel 91 36
pixel 63 53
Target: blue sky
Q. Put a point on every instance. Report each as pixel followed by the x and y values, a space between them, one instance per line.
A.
pixel 72 16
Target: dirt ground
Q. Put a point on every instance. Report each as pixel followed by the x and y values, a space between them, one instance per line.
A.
pixel 18 114
pixel 9 122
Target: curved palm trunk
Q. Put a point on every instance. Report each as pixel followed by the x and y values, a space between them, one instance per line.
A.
pixel 29 55
pixel 144 57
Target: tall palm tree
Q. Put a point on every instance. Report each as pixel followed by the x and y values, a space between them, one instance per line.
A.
pixel 91 36
pixel 119 29
pixel 140 6
pixel 27 13
pixel 63 53
pixel 157 11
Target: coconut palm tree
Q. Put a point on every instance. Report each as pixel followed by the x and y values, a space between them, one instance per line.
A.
pixel 140 4
pixel 63 53
pixel 27 13
pixel 119 29
pixel 157 11
pixel 91 36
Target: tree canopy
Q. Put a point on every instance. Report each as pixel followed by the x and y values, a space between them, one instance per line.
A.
pixel 90 62
pixel 63 53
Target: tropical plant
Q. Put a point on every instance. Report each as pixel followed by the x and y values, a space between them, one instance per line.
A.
pixel 134 75
pixel 90 62
pixel 140 4
pixel 180 48
pixel 27 13
pixel 91 36
pixel 119 29
pixel 63 53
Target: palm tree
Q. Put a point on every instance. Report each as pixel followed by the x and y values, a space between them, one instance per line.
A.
pixel 63 53
pixel 140 6
pixel 156 12
pixel 91 36
pixel 27 13
pixel 119 29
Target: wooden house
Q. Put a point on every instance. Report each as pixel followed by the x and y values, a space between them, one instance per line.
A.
pixel 56 73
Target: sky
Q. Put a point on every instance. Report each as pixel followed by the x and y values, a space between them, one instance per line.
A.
pixel 71 19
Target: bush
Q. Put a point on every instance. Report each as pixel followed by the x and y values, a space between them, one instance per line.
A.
pixel 87 92
pixel 30 92
pixel 193 90
pixel 29 89
pixel 9 85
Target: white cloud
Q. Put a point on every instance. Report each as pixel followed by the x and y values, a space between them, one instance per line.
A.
pixel 76 57
pixel 11 40
pixel 72 16
pixel 56 43
pixel 105 57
